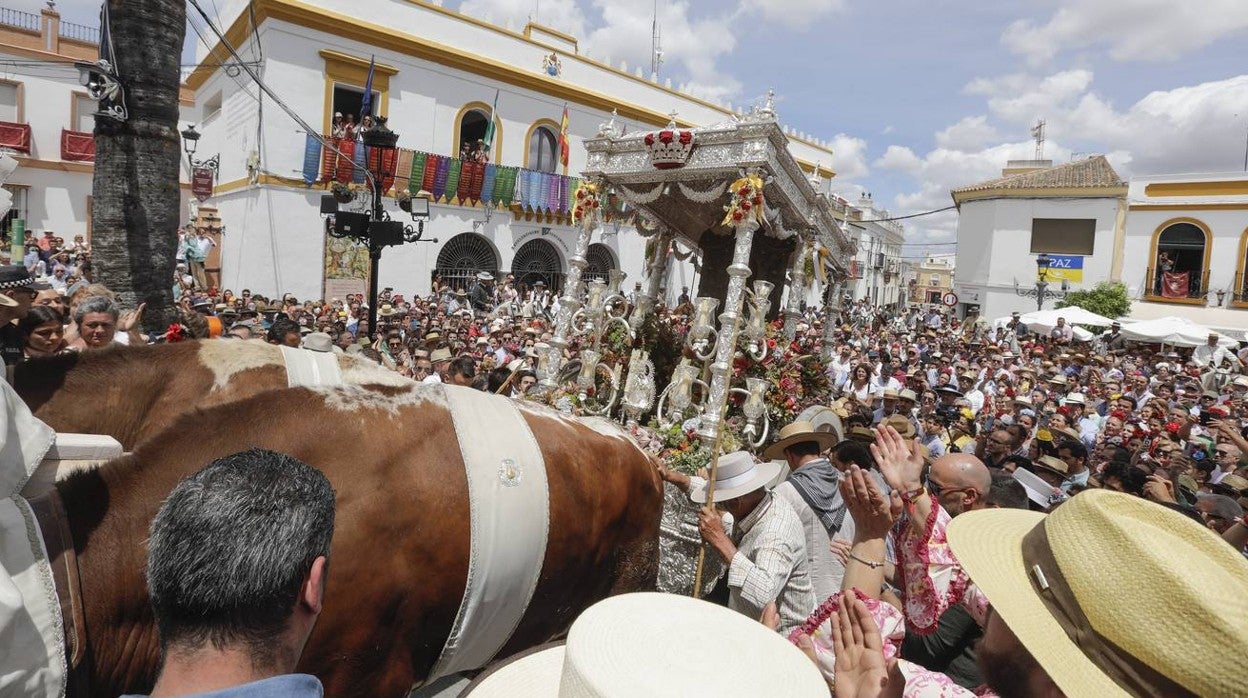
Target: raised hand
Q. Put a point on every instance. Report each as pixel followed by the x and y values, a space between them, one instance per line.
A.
pixel 873 512
pixel 860 667
pixel 131 319
pixel 898 460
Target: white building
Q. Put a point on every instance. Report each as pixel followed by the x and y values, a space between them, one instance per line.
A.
pixel 877 271
pixel 1074 212
pixel 46 122
pixel 1200 223
pixel 436 76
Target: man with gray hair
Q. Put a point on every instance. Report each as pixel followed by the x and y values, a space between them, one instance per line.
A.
pixel 237 561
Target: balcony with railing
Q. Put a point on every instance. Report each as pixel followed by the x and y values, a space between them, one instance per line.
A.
pixel 46 33
pixel 1189 287
pixel 1239 292
pixel 80 32
pixel 21 20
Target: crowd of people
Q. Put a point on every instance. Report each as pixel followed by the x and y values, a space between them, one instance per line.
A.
pixel 941 545
pixel 875 553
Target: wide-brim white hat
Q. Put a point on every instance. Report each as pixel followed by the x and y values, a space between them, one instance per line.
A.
pixel 658 645
pixel 737 474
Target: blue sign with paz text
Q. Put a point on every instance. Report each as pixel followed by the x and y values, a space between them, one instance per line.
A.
pixel 1068 267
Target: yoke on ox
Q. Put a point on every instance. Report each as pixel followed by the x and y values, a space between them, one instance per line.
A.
pixel 548 513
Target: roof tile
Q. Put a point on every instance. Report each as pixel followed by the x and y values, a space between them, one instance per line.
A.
pixel 1091 173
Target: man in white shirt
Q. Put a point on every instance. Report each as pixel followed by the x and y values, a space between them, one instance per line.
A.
pixel 1211 355
pixel 766 552
pixel 970 390
pixel 440 360
pixel 839 367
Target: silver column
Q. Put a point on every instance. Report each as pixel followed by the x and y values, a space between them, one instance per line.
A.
pixel 656 270
pixel 570 303
pixel 797 289
pixel 831 308
pixel 729 324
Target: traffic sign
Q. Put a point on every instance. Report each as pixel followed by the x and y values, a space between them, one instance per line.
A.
pixel 950 299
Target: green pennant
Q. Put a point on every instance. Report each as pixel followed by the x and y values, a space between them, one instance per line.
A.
pixel 418 172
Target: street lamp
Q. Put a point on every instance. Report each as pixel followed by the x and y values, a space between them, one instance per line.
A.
pixel 375 228
pixel 1041 292
pixel 190 142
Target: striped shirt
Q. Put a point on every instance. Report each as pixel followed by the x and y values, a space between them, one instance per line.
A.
pixel 771 565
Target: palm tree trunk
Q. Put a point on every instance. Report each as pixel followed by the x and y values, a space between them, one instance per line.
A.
pixel 135 212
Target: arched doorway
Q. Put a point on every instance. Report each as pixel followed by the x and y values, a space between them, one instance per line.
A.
pixel 538 260
pixel 598 262
pixel 462 257
pixel 1181 260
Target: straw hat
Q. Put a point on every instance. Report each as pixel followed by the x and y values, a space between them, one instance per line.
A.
pixel 440 354
pixel 794 433
pixel 903 426
pixel 1086 552
pixel 1052 464
pixel 736 475
pixel 652 644
pixel 862 435
pixel 1066 433
pixel 1075 399
pixel 386 310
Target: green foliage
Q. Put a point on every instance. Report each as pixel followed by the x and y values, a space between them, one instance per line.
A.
pixel 1107 298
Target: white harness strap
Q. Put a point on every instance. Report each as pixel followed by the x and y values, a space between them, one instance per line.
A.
pixel 310 368
pixel 508 498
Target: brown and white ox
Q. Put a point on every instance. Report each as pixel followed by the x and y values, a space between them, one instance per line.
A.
pixel 400 551
pixel 132 393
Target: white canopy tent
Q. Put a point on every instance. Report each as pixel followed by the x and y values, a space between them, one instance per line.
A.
pixel 1043 322
pixel 1175 331
pixel 1074 315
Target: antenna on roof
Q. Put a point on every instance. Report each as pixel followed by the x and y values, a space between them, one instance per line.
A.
pixel 1037 132
pixel 656 47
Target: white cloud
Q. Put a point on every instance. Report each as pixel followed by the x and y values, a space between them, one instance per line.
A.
pixel 900 159
pixel 563 15
pixel 693 44
pixel 1022 97
pixel 971 133
pixel 1129 29
pixel 849 157
pixel 1198 128
pixel 794 14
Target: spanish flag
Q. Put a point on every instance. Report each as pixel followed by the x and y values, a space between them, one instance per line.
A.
pixel 564 147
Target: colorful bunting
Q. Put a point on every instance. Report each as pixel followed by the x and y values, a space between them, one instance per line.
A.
pixel 416 179
pixel 505 188
pixel 487 183
pixel 452 179
pixel 431 173
pixel 359 159
pixel 343 165
pixel 311 159
pixel 403 170
pixel 439 181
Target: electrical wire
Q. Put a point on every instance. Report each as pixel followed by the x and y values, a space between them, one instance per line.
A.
pixel 912 215
pixel 258 50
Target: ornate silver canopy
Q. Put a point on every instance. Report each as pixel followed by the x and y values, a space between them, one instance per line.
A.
pixel 689 199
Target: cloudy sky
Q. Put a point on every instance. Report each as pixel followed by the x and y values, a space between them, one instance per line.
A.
pixel 921 96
